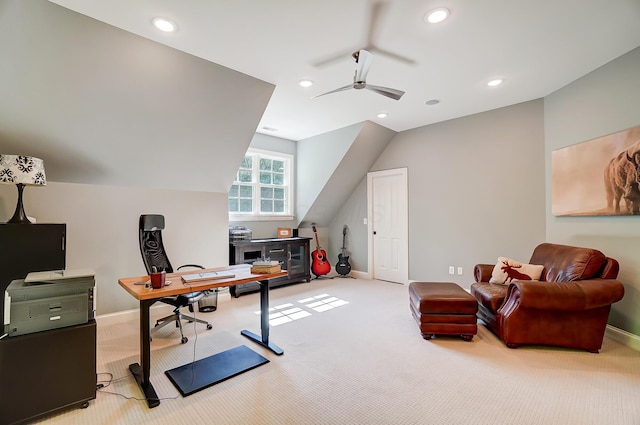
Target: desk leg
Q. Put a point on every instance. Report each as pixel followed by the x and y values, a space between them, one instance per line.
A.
pixel 142 370
pixel 264 321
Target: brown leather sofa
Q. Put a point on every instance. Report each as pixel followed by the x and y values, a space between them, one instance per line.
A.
pixel 568 307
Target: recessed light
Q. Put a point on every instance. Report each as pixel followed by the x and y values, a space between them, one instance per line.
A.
pixel 496 82
pixel 432 102
pixel 436 15
pixel 305 83
pixel 382 115
pixel 164 24
pixel 266 128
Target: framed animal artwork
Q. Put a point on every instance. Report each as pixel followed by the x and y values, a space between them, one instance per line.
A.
pixel 599 177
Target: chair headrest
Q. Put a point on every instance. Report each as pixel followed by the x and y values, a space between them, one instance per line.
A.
pixel 151 222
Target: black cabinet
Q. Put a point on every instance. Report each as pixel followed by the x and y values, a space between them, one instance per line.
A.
pixel 29 248
pixel 43 371
pixel 292 253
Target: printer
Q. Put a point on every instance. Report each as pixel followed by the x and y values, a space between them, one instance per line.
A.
pixel 49 300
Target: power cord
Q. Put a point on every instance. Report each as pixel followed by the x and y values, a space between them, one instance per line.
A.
pixel 103 384
pixel 195 342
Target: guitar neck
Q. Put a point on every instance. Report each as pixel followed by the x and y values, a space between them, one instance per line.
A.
pixel 318 248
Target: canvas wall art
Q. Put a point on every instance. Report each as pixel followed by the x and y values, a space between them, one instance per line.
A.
pixel 597 177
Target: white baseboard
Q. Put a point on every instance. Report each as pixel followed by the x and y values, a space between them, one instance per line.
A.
pixel 623 337
pixel 128 316
pixel 360 275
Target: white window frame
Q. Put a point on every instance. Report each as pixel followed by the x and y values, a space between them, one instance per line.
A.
pixel 289 189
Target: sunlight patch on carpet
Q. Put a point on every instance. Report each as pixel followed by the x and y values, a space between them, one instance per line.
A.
pixel 288 312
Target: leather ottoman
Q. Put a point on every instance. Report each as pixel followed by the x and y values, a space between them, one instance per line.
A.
pixel 443 308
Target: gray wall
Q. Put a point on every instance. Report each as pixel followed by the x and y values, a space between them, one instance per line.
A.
pixel 602 102
pixel 352 215
pixel 476 192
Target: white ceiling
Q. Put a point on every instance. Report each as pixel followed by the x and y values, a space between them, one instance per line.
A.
pixel 536 46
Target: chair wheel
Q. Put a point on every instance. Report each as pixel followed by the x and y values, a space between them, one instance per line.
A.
pixel 209 326
pixel 184 340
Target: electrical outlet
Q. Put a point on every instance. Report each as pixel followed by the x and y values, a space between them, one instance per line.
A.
pixel 364 221
pixel 451 270
pixel 460 270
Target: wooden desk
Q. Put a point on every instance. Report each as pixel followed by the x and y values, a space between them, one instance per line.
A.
pixel 148 296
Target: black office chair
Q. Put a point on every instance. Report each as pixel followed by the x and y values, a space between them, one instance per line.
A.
pixel 154 255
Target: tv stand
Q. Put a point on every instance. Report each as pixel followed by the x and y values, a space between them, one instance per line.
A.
pixel 293 254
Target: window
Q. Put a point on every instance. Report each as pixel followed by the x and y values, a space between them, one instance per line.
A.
pixel 262 188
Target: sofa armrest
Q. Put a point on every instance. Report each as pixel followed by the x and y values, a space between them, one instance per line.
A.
pixel 568 296
pixel 482 272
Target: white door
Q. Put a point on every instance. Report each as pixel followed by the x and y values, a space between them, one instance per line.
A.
pixel 388 225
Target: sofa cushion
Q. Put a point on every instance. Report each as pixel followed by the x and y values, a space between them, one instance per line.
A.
pixel 507 270
pixel 563 263
pixel 489 295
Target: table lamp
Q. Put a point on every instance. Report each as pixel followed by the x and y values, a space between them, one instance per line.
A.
pixel 21 170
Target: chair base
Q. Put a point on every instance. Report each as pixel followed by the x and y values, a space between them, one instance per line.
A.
pixel 178 317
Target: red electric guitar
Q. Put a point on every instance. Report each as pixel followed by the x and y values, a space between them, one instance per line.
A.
pixel 319 264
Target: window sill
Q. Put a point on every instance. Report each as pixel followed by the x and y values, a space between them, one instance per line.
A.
pixel 236 217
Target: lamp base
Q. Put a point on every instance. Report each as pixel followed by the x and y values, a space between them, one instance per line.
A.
pixel 19 217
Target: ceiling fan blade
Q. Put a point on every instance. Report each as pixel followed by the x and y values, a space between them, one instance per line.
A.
pixel 393 55
pixel 377 10
pixel 350 86
pixel 385 91
pixel 331 59
pixel 365 59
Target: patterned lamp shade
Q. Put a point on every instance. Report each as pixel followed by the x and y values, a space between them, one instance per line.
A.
pixel 21 170
pixel 27 170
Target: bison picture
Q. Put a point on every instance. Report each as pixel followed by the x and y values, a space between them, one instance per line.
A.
pixel 622 180
pixel 598 177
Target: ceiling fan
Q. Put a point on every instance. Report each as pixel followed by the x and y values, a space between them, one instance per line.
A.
pixel 363 60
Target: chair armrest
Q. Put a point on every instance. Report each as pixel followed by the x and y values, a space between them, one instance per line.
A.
pixel 565 296
pixel 482 272
pixel 191 265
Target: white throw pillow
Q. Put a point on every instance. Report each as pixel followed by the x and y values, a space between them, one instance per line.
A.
pixel 507 270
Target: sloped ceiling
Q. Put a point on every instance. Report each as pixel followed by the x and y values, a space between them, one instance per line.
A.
pixel 103 106
pixel 330 166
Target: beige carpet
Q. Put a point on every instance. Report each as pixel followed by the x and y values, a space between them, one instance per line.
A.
pixel 361 360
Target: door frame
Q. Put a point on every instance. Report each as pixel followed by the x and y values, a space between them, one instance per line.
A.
pixel 370 176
